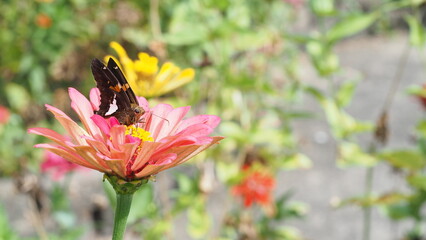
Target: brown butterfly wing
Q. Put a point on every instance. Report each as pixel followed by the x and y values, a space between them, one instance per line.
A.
pixel 111 89
pixel 113 67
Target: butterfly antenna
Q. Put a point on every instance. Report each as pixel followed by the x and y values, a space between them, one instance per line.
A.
pixel 161 117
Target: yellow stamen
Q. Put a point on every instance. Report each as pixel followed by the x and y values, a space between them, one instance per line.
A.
pixel 139 133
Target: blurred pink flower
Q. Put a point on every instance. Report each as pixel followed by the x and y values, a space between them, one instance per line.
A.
pixel 4 115
pixel 57 166
pixel 161 140
pixel 256 187
pixel 295 3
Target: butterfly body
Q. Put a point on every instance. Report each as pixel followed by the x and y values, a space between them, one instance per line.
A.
pixel 117 98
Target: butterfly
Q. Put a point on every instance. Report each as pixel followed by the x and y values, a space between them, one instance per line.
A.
pixel 117 97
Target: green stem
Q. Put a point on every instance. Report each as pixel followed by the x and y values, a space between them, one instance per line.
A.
pixel 367 209
pixel 124 201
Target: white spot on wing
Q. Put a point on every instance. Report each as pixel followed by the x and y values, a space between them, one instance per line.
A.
pixel 112 108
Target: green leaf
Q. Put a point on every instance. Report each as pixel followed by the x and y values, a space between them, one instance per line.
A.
pixel 387 199
pixel 158 229
pixel 350 25
pixel 233 130
pixel 418 181
pixel 188 35
pixel 17 96
pixel 227 172
pixel 322 7
pixel 345 93
pixel 343 125
pixel 417 32
pixel 324 60
pixel 239 14
pixel 59 197
pixel 315 92
pixel 143 203
pixel 397 211
pixel 6 231
pixel 186 27
pixel 185 183
pixel 417 90
pixel 412 160
pixel 296 161
pixel 350 154
pixel 199 220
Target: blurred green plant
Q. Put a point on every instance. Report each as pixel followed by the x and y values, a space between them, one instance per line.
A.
pixel 246 55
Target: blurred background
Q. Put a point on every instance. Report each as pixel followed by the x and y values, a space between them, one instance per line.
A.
pixel 322 105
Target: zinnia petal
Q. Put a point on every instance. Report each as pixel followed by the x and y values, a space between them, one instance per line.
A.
pixel 95 98
pixel 84 110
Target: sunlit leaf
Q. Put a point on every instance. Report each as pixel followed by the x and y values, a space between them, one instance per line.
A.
pixel 351 25
pixel 322 7
pixel 158 229
pixel 239 14
pixel 350 154
pixel 18 97
pixel 287 209
pixel 288 233
pixel 199 220
pixel 417 90
pixel 404 159
pixel 418 181
pixel 227 172
pixel 345 93
pixel 325 61
pixel 296 161
pixel 368 201
pixel 232 130
pixel 417 32
pixel 185 183
pixel 316 93
pixel 342 124
pixel 391 198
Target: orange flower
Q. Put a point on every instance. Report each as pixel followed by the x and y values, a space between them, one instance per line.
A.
pixel 43 21
pixel 4 115
pixel 256 187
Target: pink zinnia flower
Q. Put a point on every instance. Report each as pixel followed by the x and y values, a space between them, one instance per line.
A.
pixel 57 165
pixel 162 139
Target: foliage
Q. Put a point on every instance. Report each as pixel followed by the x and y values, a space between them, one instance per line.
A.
pixel 247 58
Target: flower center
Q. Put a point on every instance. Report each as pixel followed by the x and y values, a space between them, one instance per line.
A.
pixel 139 133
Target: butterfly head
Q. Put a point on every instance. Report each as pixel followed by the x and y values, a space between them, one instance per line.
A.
pixel 138 111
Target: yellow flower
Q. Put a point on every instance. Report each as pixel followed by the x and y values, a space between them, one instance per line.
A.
pixel 146 78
